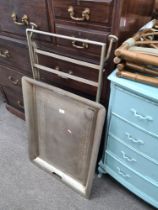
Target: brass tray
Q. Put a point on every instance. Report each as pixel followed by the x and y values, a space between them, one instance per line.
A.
pixel 64 132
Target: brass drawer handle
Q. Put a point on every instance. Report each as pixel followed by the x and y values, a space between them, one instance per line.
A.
pixel 82 46
pixel 24 20
pixel 4 53
pixel 20 105
pixel 85 14
pixel 13 81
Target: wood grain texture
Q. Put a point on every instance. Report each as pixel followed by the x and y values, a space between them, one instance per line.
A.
pixel 37 12
pixel 18 57
pixel 100 11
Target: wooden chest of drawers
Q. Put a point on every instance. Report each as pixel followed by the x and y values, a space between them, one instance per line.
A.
pixel 89 19
pixel 130 154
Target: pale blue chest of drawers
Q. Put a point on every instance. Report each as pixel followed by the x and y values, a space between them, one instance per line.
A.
pixel 131 142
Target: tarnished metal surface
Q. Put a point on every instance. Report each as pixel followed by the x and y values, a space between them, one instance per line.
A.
pixel 64 133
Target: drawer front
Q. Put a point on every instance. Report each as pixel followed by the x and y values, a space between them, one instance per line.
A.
pixel 14 54
pixel 134 137
pixel 70 68
pixel 133 159
pixel 68 84
pixel 146 190
pixel 14 97
pixel 136 110
pixel 85 12
pixel 80 48
pixel 73 70
pixel 9 78
pixel 35 10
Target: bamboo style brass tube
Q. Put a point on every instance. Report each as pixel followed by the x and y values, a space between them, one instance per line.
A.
pixel 149 34
pixel 153 46
pixel 146 42
pixel 117 60
pixel 135 57
pixel 121 66
pixel 139 78
pixel 135 67
pixel 144 50
pixel 128 43
pixel 131 41
pixel 141 69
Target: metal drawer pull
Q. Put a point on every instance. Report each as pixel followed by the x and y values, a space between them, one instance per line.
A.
pixel 127 158
pixel 82 46
pixel 149 118
pixel 24 21
pixel 19 103
pixel 14 81
pixel 137 141
pixel 85 14
pixel 4 53
pixel 122 173
pixel 62 76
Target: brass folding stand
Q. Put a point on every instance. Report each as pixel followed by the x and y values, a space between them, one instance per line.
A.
pixel 34 52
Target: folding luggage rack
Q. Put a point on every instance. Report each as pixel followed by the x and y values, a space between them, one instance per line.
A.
pixel 34 52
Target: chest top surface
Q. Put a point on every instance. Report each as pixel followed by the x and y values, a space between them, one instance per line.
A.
pixel 143 90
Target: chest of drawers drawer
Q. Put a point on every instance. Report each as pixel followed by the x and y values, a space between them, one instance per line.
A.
pixel 70 68
pixel 10 78
pixel 134 137
pixel 133 159
pixel 140 186
pixel 85 12
pixel 68 84
pixel 16 15
pixel 10 81
pixel 14 54
pixel 136 109
pixel 14 97
pixel 79 48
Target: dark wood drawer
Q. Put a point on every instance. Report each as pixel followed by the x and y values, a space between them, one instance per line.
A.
pixel 11 83
pixel 36 11
pixel 80 48
pixel 10 78
pixel 100 11
pixel 70 68
pixel 15 54
pixel 68 84
pixel 14 97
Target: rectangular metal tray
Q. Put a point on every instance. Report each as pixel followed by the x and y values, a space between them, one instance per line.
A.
pixel 64 132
